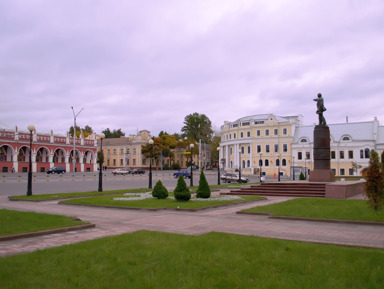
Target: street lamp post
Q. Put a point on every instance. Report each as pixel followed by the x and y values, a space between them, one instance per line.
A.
pixel 191 146
pixel 278 172
pixel 31 128
pixel 101 136
pixel 260 164
pixel 239 165
pixel 218 165
pixel 305 166
pixel 293 170
pixel 74 137
pixel 150 142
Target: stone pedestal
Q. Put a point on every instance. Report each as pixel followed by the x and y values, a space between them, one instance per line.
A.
pixel 322 155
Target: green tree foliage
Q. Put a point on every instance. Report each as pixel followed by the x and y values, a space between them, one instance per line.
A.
pixel 197 126
pixel 181 191
pixel 203 191
pixel 159 191
pixel 302 177
pixel 374 182
pixel 153 151
pixel 114 134
pixel 87 130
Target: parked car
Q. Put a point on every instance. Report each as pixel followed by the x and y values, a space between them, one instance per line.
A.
pixel 137 171
pixel 229 177
pixel 56 170
pixel 184 172
pixel 120 172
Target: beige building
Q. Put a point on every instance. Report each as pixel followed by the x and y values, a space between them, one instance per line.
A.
pixel 259 142
pixel 126 151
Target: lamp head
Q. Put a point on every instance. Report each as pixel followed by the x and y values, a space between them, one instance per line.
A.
pixel 31 127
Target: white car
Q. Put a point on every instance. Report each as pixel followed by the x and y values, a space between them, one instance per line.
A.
pixel 120 172
pixel 228 178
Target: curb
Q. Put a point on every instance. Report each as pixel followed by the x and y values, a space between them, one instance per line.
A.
pixel 270 216
pixel 165 209
pixel 46 232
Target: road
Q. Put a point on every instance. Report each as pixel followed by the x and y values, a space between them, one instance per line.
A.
pixel 16 184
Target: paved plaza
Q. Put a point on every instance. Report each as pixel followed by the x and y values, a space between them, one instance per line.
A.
pixel 111 222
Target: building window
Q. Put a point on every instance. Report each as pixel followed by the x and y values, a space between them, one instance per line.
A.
pixel 114 162
pixel 276 148
pixel 245 123
pixel 285 131
pixel 121 151
pixel 342 172
pixel 350 171
pixel 333 155
pixel 114 151
pixel 235 125
pixel 242 150
pixel 249 149
pixel 241 134
pixel 277 162
pixel 248 163
pixel 266 163
pixel 346 138
pixel 248 134
pixel 267 132
pixel 267 148
pixel 128 151
pixel 303 140
pixel 341 154
pixel 258 132
pixel 121 162
pixel 367 153
pixel 299 155
pixel 284 162
pixel 134 162
pixel 260 163
pixel 275 131
pixel 234 135
pixel 334 171
pixel 307 155
pixel 285 147
pixel 350 154
pixel 134 151
pixel 108 151
pixel 259 148
pixel 230 151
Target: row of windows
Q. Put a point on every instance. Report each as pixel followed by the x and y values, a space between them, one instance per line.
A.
pixel 364 154
pixel 121 163
pixel 259 149
pixel 122 151
pixel 258 133
pixel 263 163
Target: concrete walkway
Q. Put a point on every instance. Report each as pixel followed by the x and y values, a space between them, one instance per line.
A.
pixel 118 221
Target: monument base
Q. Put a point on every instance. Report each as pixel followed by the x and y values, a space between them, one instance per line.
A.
pixel 319 175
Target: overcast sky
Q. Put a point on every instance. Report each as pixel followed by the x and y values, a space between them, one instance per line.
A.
pixel 146 64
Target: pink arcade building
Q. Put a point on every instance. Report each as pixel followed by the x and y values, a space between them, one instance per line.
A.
pixel 48 150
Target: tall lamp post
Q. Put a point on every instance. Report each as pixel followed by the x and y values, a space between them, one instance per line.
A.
pixel 261 165
pixel 278 172
pixel 239 165
pixel 191 146
pixel 150 142
pixel 305 166
pixel 101 136
pixel 218 165
pixel 293 170
pixel 31 128
pixel 74 137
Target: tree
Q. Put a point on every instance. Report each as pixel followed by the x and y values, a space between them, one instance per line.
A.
pixel 159 191
pixel 153 151
pixel 302 177
pixel 197 126
pixel 215 144
pixel 374 182
pixel 181 191
pixel 114 134
pixel 203 191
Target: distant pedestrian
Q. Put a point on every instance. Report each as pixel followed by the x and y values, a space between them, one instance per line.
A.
pixel 13 170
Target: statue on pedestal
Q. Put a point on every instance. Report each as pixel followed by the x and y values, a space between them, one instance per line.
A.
pixel 320 109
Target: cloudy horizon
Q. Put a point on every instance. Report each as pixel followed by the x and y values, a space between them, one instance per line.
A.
pixel 147 64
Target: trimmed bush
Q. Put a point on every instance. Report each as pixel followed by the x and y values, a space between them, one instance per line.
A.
pixel 302 178
pixel 181 191
pixel 203 191
pixel 159 191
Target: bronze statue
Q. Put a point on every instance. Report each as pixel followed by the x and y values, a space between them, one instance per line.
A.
pixel 320 109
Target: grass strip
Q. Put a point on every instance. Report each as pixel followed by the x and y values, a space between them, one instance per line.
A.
pixel 16 222
pixel 46 197
pixel 340 209
pixel 154 203
pixel 215 260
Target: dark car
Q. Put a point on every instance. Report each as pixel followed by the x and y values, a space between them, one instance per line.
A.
pixel 137 171
pixel 185 173
pixel 56 170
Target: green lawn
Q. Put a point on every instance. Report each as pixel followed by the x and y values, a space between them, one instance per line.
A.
pixel 160 260
pixel 16 222
pixel 153 203
pixel 340 209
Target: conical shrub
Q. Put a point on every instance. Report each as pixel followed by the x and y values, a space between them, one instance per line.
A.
pixel 181 191
pixel 159 191
pixel 301 178
pixel 203 191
